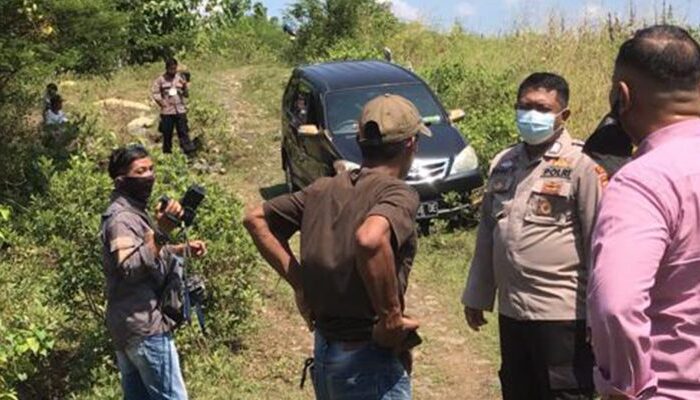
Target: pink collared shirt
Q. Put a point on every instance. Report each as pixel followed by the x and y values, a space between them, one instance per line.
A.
pixel 644 286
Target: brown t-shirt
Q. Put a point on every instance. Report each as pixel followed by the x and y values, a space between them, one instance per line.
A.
pixel 328 213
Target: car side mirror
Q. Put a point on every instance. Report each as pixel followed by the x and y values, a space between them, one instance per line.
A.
pixel 309 130
pixel 457 115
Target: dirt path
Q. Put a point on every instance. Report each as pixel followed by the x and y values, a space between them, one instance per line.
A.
pixel 447 364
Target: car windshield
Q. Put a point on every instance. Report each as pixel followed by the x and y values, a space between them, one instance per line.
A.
pixel 344 107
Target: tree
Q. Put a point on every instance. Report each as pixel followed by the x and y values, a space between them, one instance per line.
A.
pixel 325 23
pixel 37 39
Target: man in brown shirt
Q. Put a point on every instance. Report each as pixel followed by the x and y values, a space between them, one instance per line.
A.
pixel 532 248
pixel 358 241
pixel 169 92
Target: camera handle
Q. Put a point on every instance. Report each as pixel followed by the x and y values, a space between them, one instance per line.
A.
pixel 188 305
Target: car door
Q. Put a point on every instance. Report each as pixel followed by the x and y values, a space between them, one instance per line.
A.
pixel 318 147
pixel 292 118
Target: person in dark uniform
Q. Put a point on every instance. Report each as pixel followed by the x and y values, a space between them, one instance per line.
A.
pixel 358 241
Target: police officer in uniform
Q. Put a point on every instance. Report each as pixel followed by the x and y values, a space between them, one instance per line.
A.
pixel 532 248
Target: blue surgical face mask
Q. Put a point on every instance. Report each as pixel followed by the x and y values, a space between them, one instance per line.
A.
pixel 535 127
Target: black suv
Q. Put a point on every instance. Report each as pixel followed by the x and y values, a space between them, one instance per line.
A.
pixel 320 109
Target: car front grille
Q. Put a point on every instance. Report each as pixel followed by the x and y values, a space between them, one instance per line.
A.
pixel 427 170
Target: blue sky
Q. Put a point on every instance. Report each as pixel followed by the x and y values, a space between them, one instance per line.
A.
pixel 494 16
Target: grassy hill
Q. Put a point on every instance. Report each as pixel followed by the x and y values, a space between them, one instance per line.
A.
pixel 52 338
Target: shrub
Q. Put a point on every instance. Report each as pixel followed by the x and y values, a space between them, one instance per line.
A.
pixel 324 24
pixel 63 224
pixel 29 321
pixel 158 29
pixel 487 96
pixel 245 40
pixel 37 39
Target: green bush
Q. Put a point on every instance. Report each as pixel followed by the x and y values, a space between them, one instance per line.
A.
pixel 61 281
pixel 348 49
pixel 158 29
pixel 37 39
pixel 29 322
pixel 325 24
pixel 245 40
pixel 487 96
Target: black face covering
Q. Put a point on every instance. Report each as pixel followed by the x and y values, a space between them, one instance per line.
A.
pixel 138 188
pixel 609 145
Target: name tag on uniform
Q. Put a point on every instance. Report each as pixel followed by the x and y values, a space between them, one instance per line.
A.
pixel 553 187
pixel 557 172
pixel 172 91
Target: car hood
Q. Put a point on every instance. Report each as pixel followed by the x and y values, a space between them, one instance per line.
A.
pixel 446 142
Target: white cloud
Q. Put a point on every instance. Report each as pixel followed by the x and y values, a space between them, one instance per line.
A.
pixel 593 11
pixel 465 10
pixel 403 10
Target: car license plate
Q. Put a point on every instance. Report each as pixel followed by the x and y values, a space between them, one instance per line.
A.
pixel 428 209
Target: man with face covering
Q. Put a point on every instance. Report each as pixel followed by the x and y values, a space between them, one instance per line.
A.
pixel 644 291
pixel 358 241
pixel 536 220
pixel 135 260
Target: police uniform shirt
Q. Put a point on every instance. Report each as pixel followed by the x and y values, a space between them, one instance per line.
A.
pixel 533 239
pixel 169 94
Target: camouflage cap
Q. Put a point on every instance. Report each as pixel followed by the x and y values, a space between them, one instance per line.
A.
pixel 396 117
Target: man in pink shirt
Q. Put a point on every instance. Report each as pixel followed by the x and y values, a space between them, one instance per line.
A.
pixel 644 287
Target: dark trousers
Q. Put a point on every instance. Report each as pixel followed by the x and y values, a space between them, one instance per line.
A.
pixel 543 360
pixel 178 122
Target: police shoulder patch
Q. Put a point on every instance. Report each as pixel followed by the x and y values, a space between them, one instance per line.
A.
pixel 603 177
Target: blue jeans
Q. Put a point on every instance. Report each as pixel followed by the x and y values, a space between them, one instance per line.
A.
pixel 357 372
pixel 150 370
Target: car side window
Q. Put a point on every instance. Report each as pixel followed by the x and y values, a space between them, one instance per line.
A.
pixel 304 107
pixel 289 95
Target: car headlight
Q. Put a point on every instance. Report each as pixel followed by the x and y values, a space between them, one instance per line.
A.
pixel 344 165
pixel 466 160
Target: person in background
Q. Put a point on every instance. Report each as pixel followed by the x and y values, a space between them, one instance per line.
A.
pixel 169 91
pixel 55 115
pixel 537 216
pixel 51 90
pixel 644 290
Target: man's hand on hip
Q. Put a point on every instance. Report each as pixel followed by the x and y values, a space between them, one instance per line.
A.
pixel 391 332
pixel 475 318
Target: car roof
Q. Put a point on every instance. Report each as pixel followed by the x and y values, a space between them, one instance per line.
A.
pixel 352 74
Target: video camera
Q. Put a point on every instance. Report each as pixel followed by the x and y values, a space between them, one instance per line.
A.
pixel 190 201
